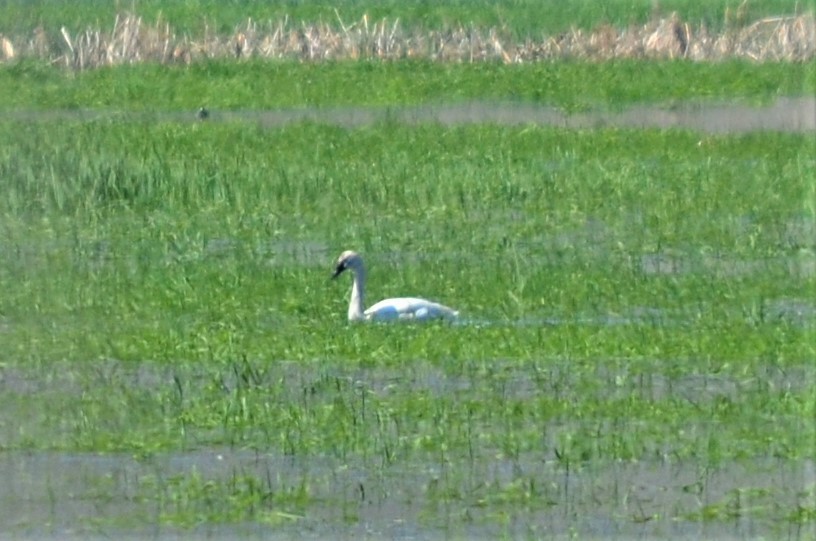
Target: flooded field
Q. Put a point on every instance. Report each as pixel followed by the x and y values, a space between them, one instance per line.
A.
pixel 634 358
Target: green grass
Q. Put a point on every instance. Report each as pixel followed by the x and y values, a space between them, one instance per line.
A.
pixel 523 17
pixel 261 85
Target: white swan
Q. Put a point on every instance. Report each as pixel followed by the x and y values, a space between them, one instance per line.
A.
pixel 400 308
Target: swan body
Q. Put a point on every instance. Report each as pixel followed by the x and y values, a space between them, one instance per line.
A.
pixel 398 308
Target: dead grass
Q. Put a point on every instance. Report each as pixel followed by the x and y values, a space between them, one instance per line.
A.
pixel 131 40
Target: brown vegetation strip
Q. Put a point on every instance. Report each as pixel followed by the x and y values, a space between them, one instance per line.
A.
pixel 131 40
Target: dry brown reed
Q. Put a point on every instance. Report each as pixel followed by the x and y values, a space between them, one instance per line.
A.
pixel 131 40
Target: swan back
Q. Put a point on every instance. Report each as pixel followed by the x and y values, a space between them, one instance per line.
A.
pixel 408 308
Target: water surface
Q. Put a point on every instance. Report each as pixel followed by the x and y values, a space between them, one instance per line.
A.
pixel 787 114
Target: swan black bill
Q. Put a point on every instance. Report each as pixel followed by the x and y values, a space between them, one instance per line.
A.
pixel 338 271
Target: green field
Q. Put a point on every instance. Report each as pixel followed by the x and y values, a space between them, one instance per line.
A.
pixel 635 354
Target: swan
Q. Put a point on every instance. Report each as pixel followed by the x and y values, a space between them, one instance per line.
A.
pixel 398 308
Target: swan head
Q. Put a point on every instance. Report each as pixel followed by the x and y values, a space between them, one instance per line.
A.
pixel 348 260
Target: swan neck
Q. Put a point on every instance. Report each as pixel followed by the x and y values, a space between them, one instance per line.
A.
pixel 356 304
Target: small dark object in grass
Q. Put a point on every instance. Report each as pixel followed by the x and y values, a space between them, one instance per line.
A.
pixel 202 114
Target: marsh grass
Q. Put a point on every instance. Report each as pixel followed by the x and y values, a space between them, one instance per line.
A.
pixel 131 40
pixel 582 261
pixel 509 224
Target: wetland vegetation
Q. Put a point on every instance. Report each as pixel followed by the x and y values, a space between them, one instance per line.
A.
pixel 636 350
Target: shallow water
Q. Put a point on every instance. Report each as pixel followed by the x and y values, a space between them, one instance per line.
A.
pixel 70 495
pixel 787 114
pixel 64 495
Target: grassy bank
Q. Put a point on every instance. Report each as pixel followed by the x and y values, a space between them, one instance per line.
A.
pixel 263 85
